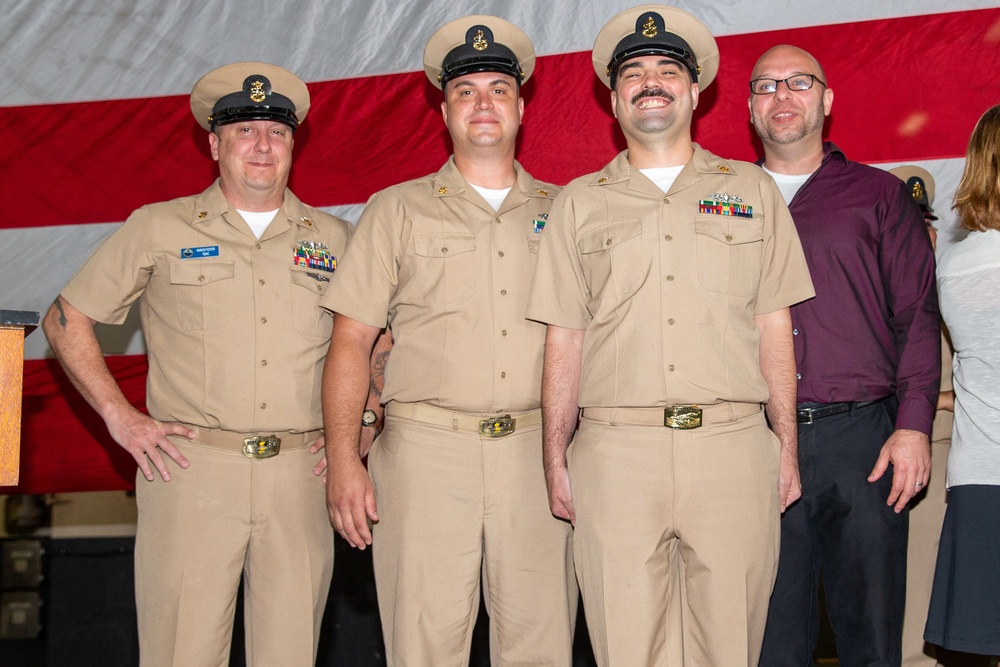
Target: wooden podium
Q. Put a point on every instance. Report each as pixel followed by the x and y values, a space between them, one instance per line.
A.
pixel 14 326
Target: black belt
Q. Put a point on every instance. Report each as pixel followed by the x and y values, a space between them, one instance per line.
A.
pixel 811 414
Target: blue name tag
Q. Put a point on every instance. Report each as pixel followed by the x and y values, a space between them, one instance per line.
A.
pixel 203 251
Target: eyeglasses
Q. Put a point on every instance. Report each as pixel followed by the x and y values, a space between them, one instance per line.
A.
pixel 796 83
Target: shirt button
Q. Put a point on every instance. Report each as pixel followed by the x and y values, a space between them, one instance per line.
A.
pixel 608 242
pixel 798 376
pixel 263 406
pixel 498 221
pixel 257 246
pixel 503 374
pixel 729 237
pixel 263 362
pixel 670 279
pixel 668 237
pixel 670 367
pixel 670 321
pixel 503 292
pixel 260 282
pixel 795 332
pixel 201 279
pixel 666 200
pixel 444 250
pixel 500 253
pixel 503 333
pixel 263 320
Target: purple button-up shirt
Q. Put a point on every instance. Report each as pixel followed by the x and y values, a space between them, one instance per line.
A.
pixel 873 328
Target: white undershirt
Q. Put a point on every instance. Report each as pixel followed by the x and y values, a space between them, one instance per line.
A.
pixel 789 184
pixel 258 220
pixel 663 177
pixel 493 197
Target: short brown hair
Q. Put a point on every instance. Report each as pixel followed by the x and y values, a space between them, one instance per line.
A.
pixel 977 199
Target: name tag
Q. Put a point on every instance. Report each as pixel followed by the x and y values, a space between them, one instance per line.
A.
pixel 203 251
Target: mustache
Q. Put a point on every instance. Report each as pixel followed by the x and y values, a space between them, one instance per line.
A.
pixel 653 92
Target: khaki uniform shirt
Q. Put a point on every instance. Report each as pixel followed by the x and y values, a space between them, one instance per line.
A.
pixel 450 276
pixel 234 333
pixel 667 294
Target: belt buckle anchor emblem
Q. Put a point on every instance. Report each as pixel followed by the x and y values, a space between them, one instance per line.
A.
pixel 497 427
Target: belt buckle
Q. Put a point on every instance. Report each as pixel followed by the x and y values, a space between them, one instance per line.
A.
pixel 804 415
pixel 497 427
pixel 261 446
pixel 682 417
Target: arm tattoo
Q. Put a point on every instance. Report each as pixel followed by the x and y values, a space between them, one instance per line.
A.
pixel 62 313
pixel 378 374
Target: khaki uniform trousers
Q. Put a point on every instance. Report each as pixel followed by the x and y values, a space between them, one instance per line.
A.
pixel 926 519
pixel 658 508
pixel 226 516
pixel 454 507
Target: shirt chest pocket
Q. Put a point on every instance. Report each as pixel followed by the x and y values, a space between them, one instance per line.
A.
pixel 445 267
pixel 730 254
pixel 307 289
pixel 615 261
pixel 204 293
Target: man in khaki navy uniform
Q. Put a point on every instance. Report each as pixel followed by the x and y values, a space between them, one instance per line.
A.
pixel 229 283
pixel 446 261
pixel 927 508
pixel 665 279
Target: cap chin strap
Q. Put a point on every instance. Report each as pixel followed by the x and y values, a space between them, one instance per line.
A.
pixel 680 54
pixel 481 64
pixel 238 114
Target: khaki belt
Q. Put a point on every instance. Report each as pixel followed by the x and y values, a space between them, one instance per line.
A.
pixel 681 417
pixel 261 446
pixel 496 426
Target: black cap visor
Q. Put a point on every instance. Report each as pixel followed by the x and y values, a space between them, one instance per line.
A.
pixel 238 107
pixel 464 60
pixel 678 50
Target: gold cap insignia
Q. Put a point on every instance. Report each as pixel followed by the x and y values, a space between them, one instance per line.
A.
pixel 479 42
pixel 202 214
pixel 442 191
pixel 723 168
pixel 918 190
pixel 257 91
pixel 603 179
pixel 649 28
pixel 544 193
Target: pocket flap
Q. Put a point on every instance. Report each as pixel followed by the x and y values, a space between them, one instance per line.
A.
pixel 608 237
pixel 443 245
pixel 200 272
pixel 730 232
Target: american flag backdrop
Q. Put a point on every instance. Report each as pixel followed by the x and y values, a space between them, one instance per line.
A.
pixel 94 99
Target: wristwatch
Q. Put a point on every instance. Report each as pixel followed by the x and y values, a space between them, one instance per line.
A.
pixel 368 418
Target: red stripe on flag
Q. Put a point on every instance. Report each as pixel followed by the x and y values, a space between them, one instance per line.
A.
pixel 64 443
pixel 906 89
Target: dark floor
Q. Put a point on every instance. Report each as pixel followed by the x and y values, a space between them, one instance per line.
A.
pixel 87 614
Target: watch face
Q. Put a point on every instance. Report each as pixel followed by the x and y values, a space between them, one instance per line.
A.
pixel 368 418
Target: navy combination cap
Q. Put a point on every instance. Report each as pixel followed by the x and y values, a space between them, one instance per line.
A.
pixel 650 30
pixel 920 185
pixel 478 44
pixel 249 91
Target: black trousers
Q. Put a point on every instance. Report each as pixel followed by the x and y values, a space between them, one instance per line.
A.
pixel 841 529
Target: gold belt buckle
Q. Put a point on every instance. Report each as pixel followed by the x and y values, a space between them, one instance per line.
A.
pixel 683 417
pixel 497 427
pixel 261 446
